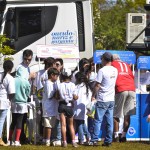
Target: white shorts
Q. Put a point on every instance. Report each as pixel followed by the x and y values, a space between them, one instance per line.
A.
pixel 49 122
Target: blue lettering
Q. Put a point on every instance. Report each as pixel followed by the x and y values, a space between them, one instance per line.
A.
pixel 66 37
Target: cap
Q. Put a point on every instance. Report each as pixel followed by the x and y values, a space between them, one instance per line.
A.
pixel 107 56
pixel 66 72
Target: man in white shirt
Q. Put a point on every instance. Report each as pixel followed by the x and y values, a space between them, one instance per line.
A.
pixel 104 91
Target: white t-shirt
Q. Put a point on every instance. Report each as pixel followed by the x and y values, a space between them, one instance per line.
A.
pixel 80 104
pixel 66 91
pixel 107 78
pixel 49 104
pixel 92 76
pixel 40 79
pixel 19 108
pixel 7 87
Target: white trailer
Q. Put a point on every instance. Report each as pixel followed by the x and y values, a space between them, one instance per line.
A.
pixel 29 23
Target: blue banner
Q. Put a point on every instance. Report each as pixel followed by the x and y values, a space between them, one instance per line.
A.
pixel 127 56
pixel 143 62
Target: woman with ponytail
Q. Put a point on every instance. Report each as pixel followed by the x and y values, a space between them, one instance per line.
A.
pixel 84 97
pixel 7 92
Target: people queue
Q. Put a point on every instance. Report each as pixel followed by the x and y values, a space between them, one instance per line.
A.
pixel 62 96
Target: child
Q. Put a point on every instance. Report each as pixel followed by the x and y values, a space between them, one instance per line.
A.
pixel 7 91
pixel 56 132
pixel 67 95
pixel 19 105
pixel 39 82
pixel 49 103
pixel 84 97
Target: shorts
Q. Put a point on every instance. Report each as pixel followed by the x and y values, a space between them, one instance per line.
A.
pixel 49 122
pixel 125 104
pixel 66 110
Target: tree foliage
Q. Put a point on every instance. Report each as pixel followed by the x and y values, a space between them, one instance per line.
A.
pixel 4 49
pixel 110 22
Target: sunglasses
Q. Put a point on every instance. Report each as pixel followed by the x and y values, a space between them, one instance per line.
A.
pixel 27 59
pixel 57 64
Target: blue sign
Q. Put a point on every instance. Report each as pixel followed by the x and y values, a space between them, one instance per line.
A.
pixel 143 62
pixel 127 56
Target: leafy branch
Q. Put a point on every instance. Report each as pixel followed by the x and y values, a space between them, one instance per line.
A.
pixel 5 49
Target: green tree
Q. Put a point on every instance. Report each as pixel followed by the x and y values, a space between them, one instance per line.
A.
pixel 5 50
pixel 110 22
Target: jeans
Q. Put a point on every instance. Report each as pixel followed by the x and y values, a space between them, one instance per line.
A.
pixel 56 131
pixel 103 109
pixel 3 114
pixel 82 130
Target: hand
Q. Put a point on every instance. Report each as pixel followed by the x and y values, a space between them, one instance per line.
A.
pixel 148 118
pixel 32 75
pixel 93 98
pixel 56 95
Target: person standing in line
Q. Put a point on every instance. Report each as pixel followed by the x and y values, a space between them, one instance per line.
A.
pixel 24 66
pixel 124 98
pixel 84 65
pixel 27 57
pixel 7 92
pixel 65 109
pixel 38 83
pixel 93 73
pixel 84 97
pixel 104 91
pixel 56 132
pixel 49 103
pixel 19 105
pixel 59 64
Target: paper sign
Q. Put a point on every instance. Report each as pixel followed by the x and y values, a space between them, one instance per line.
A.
pixel 44 51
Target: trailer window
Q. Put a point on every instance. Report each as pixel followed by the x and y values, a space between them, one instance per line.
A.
pixel 29 22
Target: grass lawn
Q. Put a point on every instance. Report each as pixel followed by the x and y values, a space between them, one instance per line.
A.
pixel 115 146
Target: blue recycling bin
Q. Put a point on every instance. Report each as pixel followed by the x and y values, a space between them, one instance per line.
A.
pixel 133 133
pixel 145 111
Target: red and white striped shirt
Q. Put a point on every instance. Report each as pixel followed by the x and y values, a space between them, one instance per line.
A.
pixel 125 79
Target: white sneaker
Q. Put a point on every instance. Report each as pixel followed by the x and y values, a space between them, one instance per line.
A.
pixel 57 143
pixel 10 143
pixel 47 143
pixel 17 143
pixel 74 144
